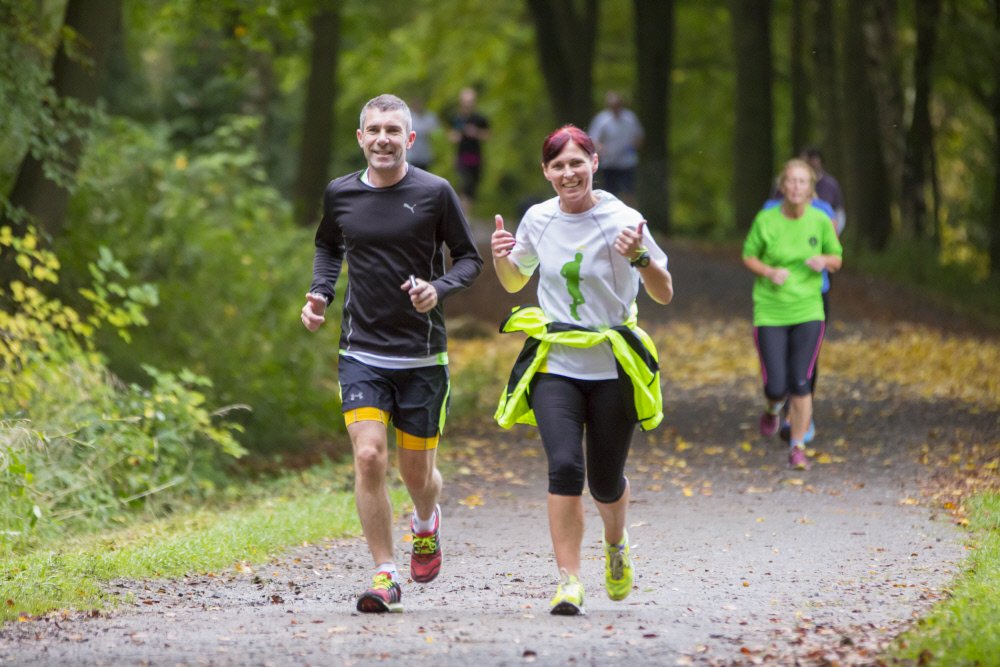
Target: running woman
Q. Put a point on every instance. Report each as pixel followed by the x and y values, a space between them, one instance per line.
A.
pixel 590 372
pixel 391 222
pixel 788 248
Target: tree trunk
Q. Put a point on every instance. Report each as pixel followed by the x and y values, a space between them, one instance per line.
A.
pixel 566 40
pixel 884 71
pixel 867 178
pixel 753 160
pixel 317 123
pixel 654 36
pixel 917 157
pixel 78 78
pixel 800 86
pixel 826 75
pixel 994 221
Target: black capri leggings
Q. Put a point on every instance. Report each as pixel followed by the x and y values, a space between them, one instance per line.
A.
pixel 565 408
pixel 787 357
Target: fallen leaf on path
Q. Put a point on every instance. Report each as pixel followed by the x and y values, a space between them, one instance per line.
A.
pixel 471 501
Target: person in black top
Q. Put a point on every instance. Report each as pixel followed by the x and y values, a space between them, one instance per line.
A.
pixel 469 129
pixel 391 222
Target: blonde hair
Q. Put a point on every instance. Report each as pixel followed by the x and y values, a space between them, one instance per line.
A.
pixel 797 162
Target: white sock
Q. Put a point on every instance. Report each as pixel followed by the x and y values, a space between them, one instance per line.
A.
pixel 797 443
pixel 390 569
pixel 424 525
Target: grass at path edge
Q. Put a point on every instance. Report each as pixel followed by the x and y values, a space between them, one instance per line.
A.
pixel 70 575
pixel 965 628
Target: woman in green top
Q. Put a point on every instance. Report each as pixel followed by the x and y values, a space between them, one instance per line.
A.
pixel 788 248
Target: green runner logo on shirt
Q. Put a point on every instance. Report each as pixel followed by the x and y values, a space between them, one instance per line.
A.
pixel 571 272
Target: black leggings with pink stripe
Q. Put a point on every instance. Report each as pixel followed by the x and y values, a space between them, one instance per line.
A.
pixel 788 357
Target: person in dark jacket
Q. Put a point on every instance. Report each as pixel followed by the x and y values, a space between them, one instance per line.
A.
pixel 391 223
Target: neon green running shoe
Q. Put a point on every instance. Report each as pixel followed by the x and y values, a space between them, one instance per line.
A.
pixel 618 573
pixel 568 600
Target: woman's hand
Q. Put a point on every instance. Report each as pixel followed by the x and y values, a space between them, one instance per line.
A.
pixel 629 242
pixel 777 276
pixel 501 241
pixel 817 263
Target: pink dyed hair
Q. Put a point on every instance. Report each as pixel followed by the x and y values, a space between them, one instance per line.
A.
pixel 555 142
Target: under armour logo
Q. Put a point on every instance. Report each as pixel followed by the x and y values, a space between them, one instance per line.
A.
pixel 356 396
pixel 412 207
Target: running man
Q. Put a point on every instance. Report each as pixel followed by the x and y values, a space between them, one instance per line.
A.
pixel 391 222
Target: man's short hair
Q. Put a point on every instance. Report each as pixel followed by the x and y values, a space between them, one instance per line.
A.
pixel 387 102
pixel 810 152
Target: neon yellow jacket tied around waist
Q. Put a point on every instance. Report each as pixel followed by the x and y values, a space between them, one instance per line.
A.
pixel 632 347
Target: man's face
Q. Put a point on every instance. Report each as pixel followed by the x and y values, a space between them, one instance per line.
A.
pixel 384 139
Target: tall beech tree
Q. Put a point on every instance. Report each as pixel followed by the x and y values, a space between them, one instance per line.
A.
pixel 799 80
pixel 43 190
pixel 316 147
pixel 826 82
pixel 867 178
pixel 654 36
pixel 753 143
pixel 918 155
pixel 566 35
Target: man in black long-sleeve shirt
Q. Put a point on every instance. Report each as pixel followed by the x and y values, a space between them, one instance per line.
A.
pixel 391 222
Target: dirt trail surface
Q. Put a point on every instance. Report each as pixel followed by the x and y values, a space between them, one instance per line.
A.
pixel 739 561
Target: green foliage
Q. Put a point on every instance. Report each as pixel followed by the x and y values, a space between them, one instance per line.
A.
pixel 34 119
pixel 232 271
pixel 26 49
pixel 964 630
pixel 75 446
pixel 701 123
pixel 422 55
pixel 37 326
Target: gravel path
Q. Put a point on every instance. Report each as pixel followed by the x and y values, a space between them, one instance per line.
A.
pixel 739 561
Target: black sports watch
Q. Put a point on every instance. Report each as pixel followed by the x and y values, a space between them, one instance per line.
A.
pixel 641 260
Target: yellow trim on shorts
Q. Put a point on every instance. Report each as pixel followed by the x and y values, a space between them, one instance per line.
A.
pixel 416 443
pixel 366 415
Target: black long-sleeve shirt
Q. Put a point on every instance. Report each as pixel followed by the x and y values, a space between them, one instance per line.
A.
pixel 386 235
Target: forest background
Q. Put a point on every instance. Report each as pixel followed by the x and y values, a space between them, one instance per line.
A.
pixel 163 163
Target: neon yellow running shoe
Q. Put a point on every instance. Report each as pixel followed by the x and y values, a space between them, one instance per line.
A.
pixel 385 595
pixel 568 600
pixel 618 573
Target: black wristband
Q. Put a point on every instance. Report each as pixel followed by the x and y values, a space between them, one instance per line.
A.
pixel 641 260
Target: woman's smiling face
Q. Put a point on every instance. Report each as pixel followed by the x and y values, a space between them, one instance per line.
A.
pixel 571 174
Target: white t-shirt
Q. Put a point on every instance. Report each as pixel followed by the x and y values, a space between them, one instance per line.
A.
pixel 617 137
pixel 424 124
pixel 582 278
